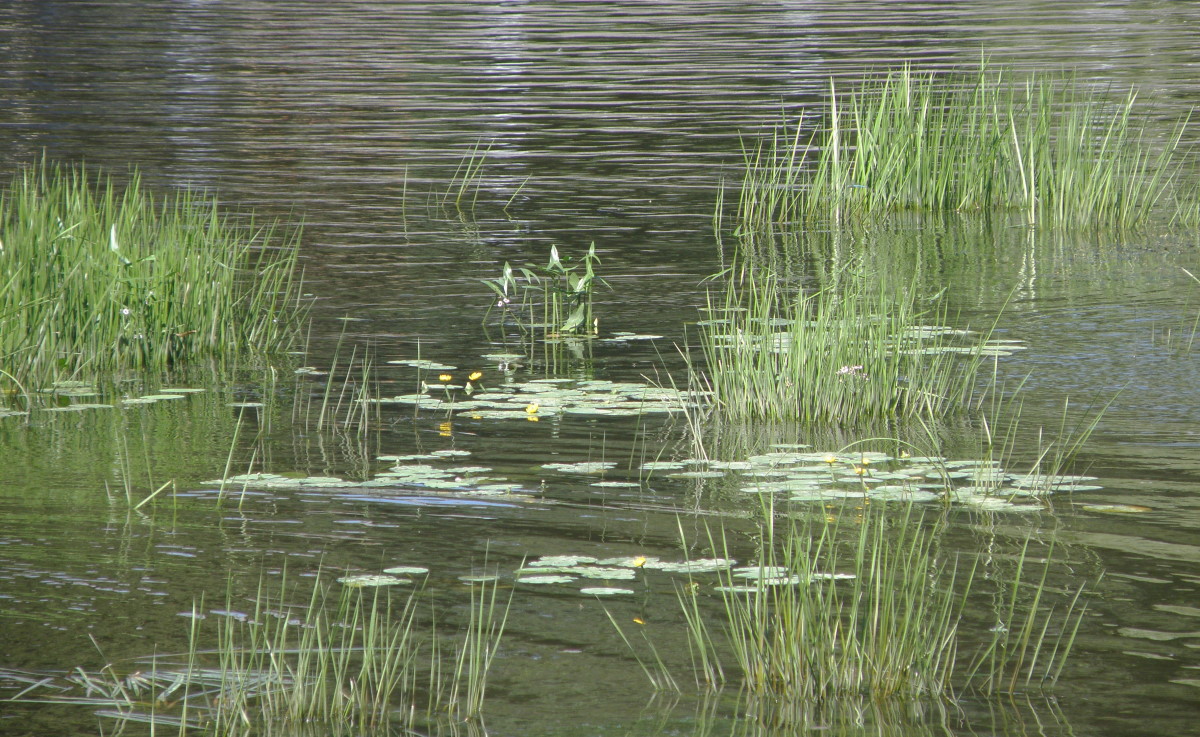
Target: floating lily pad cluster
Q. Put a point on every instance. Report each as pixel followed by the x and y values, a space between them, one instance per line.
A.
pixel 552 570
pixel 546 397
pixel 569 569
pixel 76 390
pixel 395 576
pixel 915 340
pixel 415 470
pixel 805 476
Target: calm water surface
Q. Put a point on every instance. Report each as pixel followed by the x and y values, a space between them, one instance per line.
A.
pixel 605 122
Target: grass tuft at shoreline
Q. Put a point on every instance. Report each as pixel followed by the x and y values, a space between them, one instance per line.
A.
pixel 1048 147
pixel 98 279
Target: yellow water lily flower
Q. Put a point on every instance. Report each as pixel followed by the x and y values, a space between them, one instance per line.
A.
pixel 639 561
pixel 532 408
pixel 830 458
pixel 475 375
pixel 444 377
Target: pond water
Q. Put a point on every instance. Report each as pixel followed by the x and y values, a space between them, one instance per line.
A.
pixel 612 123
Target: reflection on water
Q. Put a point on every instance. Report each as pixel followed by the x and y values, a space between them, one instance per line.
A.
pixel 605 122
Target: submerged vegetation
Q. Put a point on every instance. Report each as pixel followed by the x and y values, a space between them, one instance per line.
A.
pixel 986 142
pixel 98 279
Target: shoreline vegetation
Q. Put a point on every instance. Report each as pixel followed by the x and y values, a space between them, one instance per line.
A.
pixel 1049 148
pixel 99 280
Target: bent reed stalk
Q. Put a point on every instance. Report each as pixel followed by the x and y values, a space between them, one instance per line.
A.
pixel 961 142
pixel 96 279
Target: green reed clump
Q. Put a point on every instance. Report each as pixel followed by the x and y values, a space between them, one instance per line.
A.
pixel 1048 147
pixel 356 659
pixel 359 659
pixel 871 605
pixel 890 630
pixel 349 663
pixel 97 279
pixel 855 350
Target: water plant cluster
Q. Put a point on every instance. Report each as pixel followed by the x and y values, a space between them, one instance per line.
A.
pixel 563 289
pixel 97 279
pixel 352 656
pixel 793 474
pixel 885 625
pixel 1049 147
pixel 542 398
pixel 829 340
pixel 851 351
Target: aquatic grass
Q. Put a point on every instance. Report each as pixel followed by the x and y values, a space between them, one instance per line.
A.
pixel 854 351
pixel 654 668
pixel 1049 147
pixel 890 630
pixel 1048 454
pixel 868 603
pixel 706 664
pixel 346 663
pixel 467 180
pixel 356 657
pixel 98 279
pixel 349 659
pixel 345 398
pixel 1030 643
pixel 463 695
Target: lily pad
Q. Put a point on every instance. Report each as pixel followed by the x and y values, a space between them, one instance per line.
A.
pixel 622 336
pixel 561 560
pixel 1116 508
pixel 632 561
pixel 407 570
pixel 373 579
pixel 611 574
pixel 663 465
pixel 545 580
pixel 586 467
pixel 703 565
pixel 604 591
pixel 756 572
pixel 479 578
pixel 425 365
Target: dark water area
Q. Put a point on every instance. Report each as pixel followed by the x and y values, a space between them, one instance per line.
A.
pixel 614 123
